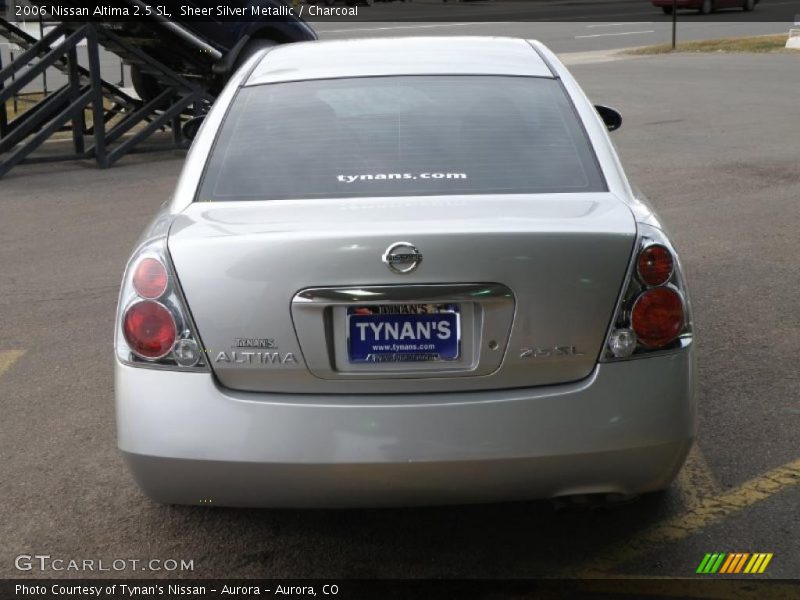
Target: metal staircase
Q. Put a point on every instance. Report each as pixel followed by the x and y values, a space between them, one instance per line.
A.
pixel 119 122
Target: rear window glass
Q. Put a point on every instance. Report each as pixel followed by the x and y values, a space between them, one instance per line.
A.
pixel 400 136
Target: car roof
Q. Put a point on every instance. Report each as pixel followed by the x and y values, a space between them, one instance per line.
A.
pixel 399 56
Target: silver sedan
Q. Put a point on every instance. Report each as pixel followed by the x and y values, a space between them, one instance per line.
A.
pixel 403 271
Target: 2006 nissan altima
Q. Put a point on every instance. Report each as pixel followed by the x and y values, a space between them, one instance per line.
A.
pixel 403 271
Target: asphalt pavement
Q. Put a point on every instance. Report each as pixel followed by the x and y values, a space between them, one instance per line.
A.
pixel 713 140
pixel 564 26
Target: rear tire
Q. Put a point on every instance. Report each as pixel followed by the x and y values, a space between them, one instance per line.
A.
pixel 146 86
pixel 707 7
pixel 667 10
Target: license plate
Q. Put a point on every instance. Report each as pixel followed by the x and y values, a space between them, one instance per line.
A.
pixel 403 333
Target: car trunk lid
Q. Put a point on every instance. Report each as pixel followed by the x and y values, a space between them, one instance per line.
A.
pixel 535 279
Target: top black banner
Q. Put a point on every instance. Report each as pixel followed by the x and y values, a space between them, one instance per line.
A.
pixel 392 11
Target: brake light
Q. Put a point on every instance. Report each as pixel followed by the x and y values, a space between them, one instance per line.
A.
pixel 154 328
pixel 150 278
pixel 653 313
pixel 657 317
pixel 149 329
pixel 655 265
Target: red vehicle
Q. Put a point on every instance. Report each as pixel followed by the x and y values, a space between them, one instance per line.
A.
pixel 705 6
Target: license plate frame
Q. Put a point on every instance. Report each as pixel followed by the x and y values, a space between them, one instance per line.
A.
pixel 403 333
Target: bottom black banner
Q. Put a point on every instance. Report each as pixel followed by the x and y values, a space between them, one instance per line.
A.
pixel 213 589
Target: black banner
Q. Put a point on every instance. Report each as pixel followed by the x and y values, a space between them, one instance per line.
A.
pixel 778 11
pixel 214 589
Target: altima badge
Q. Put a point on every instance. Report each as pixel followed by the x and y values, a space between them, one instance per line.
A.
pixel 402 257
pixel 251 358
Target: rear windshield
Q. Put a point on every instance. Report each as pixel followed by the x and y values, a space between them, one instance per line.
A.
pixel 400 136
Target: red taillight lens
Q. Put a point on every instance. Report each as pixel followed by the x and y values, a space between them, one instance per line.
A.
pixel 150 278
pixel 657 317
pixel 149 329
pixel 655 265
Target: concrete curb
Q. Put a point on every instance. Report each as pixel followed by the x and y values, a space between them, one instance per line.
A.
pixel 596 56
pixel 793 42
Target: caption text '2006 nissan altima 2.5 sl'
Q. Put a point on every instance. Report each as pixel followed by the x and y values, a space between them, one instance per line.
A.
pixel 403 271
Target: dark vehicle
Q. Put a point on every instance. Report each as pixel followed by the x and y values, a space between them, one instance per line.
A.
pixel 705 6
pixel 233 41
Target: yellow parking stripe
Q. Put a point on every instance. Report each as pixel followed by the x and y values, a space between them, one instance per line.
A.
pixel 711 510
pixel 8 358
pixel 696 481
pixel 765 563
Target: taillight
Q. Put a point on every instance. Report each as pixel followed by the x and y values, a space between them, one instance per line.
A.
pixel 149 329
pixel 653 313
pixel 657 317
pixel 654 265
pixel 150 278
pixel 154 328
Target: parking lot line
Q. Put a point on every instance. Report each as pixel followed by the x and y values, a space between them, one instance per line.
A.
pixel 389 28
pixel 8 358
pixel 696 481
pixel 596 35
pixel 709 511
pixel 615 24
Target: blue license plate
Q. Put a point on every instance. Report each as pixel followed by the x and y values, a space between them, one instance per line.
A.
pixel 376 336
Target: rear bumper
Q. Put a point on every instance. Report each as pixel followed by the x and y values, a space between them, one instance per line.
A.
pixel 626 429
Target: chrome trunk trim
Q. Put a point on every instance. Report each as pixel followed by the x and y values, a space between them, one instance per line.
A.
pixel 319 316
